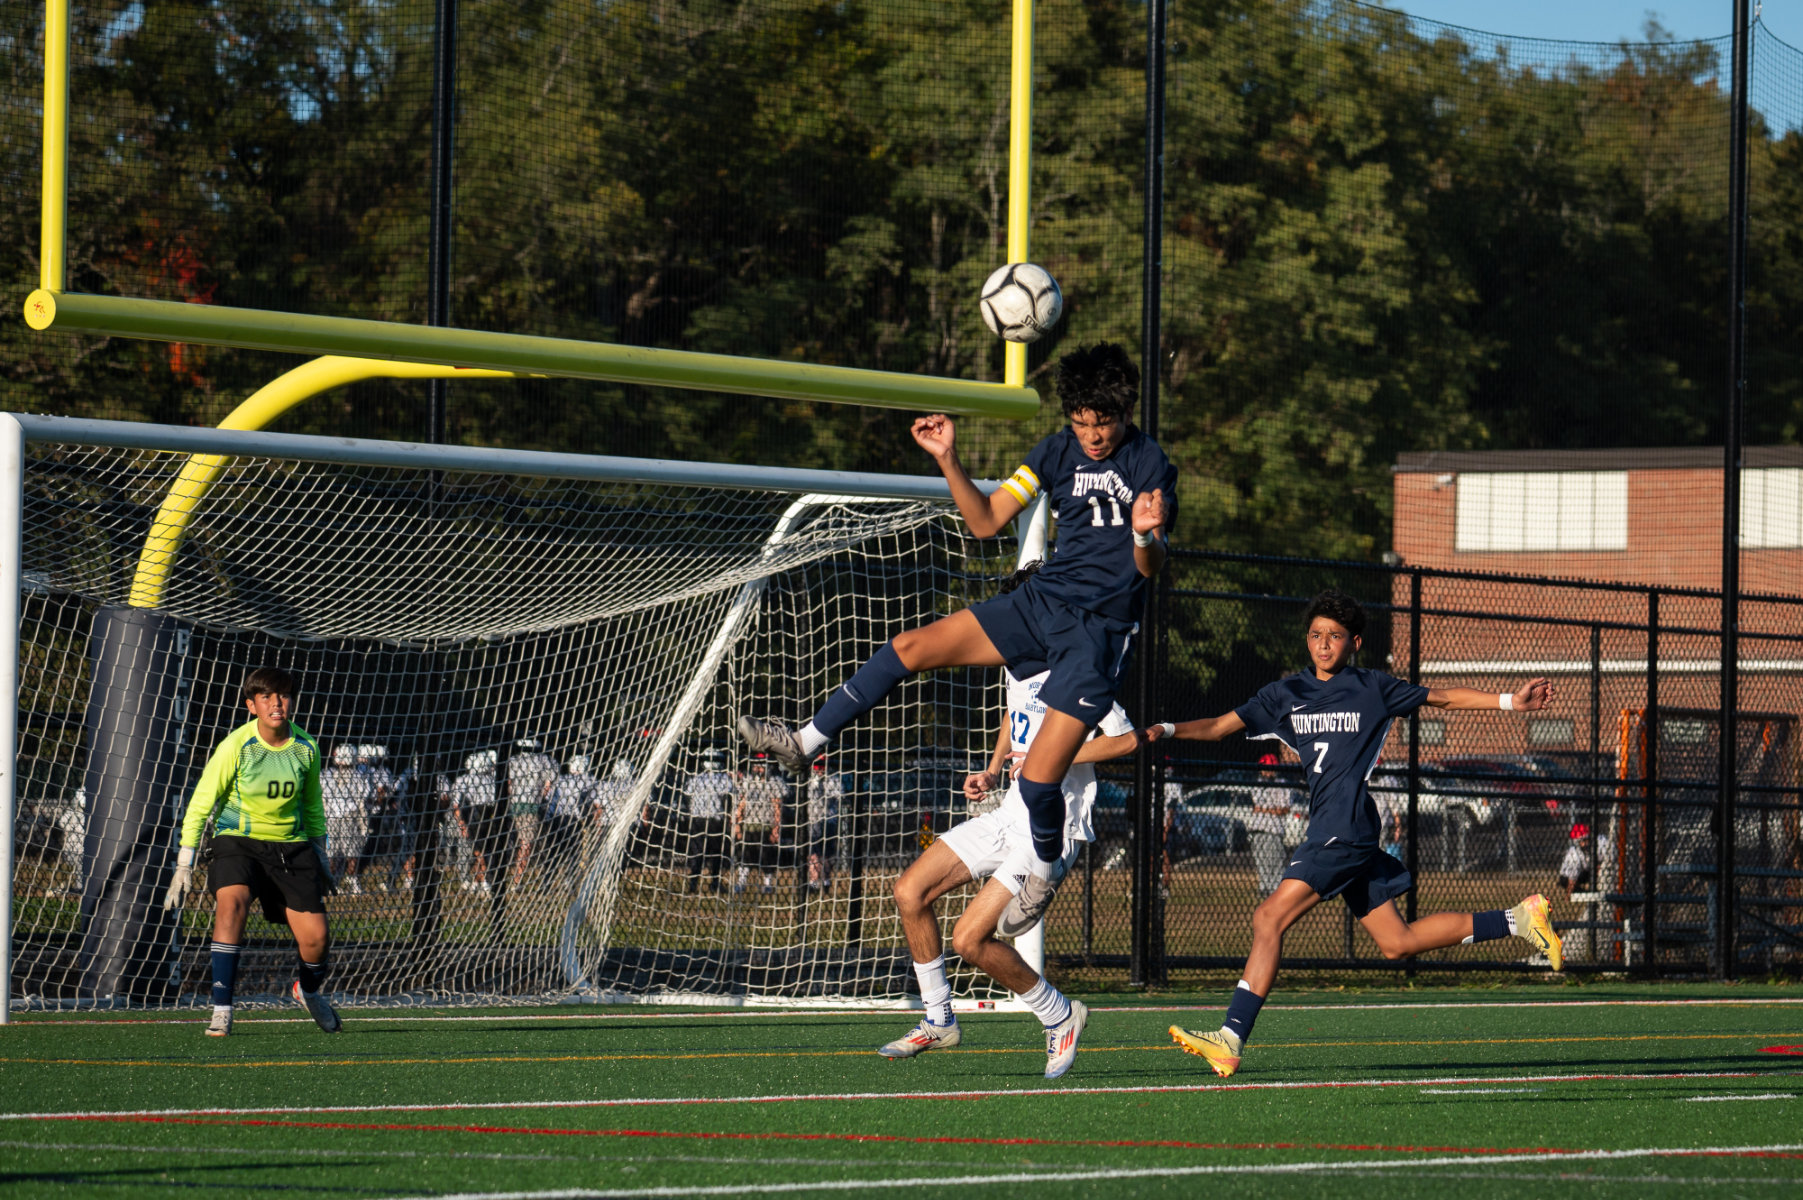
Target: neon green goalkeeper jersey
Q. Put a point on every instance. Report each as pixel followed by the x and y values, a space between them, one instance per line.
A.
pixel 259 791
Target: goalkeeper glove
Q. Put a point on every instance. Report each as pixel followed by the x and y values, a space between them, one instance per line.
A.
pixel 183 881
pixel 325 864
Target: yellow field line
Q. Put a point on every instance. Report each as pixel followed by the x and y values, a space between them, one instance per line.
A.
pixel 557 1058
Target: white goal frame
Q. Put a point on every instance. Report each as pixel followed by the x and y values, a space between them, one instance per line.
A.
pixel 815 487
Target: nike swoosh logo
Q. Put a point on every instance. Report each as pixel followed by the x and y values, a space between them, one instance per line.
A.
pixel 1294 707
pixel 1084 703
pixel 1294 861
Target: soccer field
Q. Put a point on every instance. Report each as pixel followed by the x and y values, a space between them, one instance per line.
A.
pixel 1569 1091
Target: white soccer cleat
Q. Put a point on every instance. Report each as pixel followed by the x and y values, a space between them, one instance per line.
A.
pixel 321 1010
pixel 1028 907
pixel 1222 1054
pixel 775 739
pixel 923 1037
pixel 1061 1040
pixel 221 1024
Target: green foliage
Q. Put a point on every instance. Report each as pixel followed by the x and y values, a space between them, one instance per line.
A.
pixel 1379 237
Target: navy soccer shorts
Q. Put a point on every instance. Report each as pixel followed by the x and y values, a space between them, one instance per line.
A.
pixel 1086 653
pixel 1364 874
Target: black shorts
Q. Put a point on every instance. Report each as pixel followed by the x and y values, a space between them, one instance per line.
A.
pixel 1364 874
pixel 1087 653
pixel 280 875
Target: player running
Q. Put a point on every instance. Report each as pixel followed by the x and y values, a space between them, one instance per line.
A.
pixel 260 792
pixel 1114 493
pixel 997 846
pixel 1336 718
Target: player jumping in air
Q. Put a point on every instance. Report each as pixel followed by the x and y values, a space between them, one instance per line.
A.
pixel 1114 492
pixel 1336 717
pixel 260 791
pixel 997 845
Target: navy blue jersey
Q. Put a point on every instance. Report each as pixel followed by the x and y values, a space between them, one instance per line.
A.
pixel 1338 727
pixel 1092 566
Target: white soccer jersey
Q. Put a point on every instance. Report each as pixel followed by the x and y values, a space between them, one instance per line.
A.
pixel 1026 716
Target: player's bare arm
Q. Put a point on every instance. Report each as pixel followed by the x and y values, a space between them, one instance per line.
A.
pixel 1103 748
pixel 985 515
pixel 1148 532
pixel 1209 729
pixel 1532 696
pixel 981 783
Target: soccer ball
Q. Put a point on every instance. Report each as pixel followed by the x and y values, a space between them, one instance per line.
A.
pixel 1021 301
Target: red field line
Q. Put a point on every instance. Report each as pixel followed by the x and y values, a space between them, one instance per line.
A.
pixel 787 1136
pixel 966 1094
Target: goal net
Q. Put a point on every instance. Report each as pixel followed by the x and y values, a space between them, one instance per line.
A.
pixel 523 670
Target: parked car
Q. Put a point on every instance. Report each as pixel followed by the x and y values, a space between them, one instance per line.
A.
pixel 1210 820
pixel 894 809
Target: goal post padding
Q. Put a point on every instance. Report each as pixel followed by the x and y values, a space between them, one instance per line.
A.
pixel 466 624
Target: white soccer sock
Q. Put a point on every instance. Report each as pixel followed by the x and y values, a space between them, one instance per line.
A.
pixel 221 1008
pixel 1040 867
pixel 1509 916
pixel 812 740
pixel 1047 1003
pixel 935 991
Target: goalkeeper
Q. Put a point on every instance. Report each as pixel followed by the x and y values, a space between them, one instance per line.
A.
pixel 260 794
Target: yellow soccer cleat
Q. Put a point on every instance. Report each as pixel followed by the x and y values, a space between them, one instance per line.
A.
pixel 1534 921
pixel 1221 1054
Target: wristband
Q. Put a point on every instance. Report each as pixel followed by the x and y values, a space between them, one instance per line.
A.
pixel 1506 701
pixel 187 856
pixel 1144 540
pixel 1170 730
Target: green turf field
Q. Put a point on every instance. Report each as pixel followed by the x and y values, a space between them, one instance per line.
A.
pixel 1612 1090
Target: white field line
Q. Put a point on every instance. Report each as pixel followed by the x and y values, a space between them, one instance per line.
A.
pixel 376 1014
pixel 1765 1096
pixel 843 1097
pixel 1478 1091
pixel 1301 1168
pixel 241 1152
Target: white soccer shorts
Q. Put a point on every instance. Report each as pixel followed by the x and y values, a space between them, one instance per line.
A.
pixel 983 844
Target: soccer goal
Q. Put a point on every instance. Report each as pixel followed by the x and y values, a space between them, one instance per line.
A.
pixel 523 669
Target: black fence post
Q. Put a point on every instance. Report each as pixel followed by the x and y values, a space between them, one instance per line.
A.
pixel 438 250
pixel 1649 820
pixel 1413 849
pixel 1148 817
pixel 1731 462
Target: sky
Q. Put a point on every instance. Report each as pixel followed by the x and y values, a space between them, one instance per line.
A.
pixel 1606 20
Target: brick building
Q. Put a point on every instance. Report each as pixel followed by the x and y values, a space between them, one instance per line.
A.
pixel 1646 518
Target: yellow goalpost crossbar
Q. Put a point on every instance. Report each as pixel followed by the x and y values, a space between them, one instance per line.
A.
pixel 51 308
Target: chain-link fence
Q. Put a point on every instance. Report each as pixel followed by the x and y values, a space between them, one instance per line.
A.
pixel 1483 807
pixel 1500 263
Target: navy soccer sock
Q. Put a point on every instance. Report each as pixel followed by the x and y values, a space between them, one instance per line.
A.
pixel 862 692
pixel 312 975
pixel 225 973
pixel 1488 926
pixel 1242 1011
pixel 1045 817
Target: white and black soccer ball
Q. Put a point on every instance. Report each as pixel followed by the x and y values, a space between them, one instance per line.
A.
pixel 1021 301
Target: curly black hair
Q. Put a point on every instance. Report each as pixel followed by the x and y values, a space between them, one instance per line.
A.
pixel 1099 378
pixel 1336 606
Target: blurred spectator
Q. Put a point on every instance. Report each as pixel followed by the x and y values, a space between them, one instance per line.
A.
pixel 1390 792
pixel 757 822
pixel 1577 869
pixel 531 774
pixel 825 793
pixel 710 794
pixel 571 817
pixel 390 842
pixel 1270 809
pixel 481 817
pixel 349 796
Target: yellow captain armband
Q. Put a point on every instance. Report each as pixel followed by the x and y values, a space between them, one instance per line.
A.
pixel 1023 485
